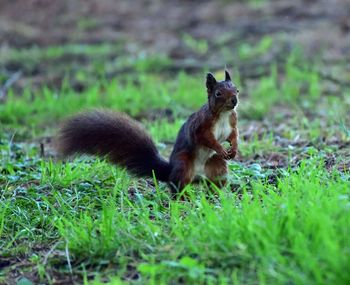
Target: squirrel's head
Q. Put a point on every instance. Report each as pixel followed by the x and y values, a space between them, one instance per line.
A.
pixel 222 95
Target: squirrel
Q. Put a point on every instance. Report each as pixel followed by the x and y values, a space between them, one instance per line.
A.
pixel 197 150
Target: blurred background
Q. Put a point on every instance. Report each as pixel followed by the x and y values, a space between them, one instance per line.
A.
pixel 290 60
pixel 48 40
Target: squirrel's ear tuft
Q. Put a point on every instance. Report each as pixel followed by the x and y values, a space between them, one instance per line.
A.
pixel 227 76
pixel 211 81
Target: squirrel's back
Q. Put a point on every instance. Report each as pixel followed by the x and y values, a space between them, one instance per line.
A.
pixel 114 135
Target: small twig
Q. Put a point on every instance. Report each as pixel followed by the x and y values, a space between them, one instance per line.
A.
pixel 10 145
pixel 42 149
pixel 9 82
pixel 68 259
pixel 333 79
pixel 50 251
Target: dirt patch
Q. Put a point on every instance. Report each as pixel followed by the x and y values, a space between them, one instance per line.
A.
pixel 168 27
pixel 159 24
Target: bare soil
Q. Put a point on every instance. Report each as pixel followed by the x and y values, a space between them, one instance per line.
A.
pixel 158 27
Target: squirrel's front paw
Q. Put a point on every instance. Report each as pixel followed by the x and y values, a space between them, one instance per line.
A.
pixel 224 153
pixel 233 153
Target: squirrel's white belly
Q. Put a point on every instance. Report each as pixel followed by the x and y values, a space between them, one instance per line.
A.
pixel 202 155
pixel 221 130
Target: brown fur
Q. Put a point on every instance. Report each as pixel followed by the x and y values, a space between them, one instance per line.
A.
pixel 124 142
pixel 116 136
pixel 216 169
pixel 233 138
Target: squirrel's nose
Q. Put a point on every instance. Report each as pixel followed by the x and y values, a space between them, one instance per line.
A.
pixel 234 101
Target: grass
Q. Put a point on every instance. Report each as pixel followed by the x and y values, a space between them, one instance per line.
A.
pixel 247 50
pixel 258 145
pixel 49 106
pixel 94 223
pixel 295 231
pixel 136 95
pixel 53 52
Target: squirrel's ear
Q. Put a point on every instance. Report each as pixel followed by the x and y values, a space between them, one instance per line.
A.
pixel 227 76
pixel 211 81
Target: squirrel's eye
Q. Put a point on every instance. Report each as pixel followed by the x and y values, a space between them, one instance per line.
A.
pixel 218 93
pixel 237 90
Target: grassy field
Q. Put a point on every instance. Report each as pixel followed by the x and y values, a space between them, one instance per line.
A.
pixel 284 217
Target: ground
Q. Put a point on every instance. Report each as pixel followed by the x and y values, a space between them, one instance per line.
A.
pixel 284 216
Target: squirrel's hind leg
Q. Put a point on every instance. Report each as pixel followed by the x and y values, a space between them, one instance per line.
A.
pixel 182 173
pixel 216 170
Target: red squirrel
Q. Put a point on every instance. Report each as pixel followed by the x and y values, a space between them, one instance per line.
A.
pixel 197 150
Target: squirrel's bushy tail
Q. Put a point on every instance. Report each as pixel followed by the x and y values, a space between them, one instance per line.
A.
pixel 114 135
